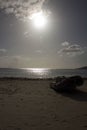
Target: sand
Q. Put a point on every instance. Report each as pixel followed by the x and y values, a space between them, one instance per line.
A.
pixel 32 105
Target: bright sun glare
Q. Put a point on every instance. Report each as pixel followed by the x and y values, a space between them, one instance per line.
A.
pixel 39 19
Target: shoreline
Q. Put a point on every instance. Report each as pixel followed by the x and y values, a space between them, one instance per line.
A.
pixel 25 78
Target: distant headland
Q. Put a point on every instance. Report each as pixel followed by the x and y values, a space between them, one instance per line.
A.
pixel 84 67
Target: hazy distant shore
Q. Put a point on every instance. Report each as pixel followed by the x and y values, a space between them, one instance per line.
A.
pixel 31 104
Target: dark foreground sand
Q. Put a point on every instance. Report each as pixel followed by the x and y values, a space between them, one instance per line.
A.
pixel 32 105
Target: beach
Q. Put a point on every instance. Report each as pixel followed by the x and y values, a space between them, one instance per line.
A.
pixel 32 105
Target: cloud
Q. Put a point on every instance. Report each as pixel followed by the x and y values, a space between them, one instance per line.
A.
pixel 2 52
pixel 22 9
pixel 65 44
pixel 71 50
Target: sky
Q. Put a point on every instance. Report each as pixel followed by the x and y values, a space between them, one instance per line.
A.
pixel 62 43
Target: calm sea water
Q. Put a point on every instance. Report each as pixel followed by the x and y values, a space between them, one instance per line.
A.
pixel 41 73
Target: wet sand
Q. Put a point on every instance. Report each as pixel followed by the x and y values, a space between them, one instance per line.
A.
pixel 33 105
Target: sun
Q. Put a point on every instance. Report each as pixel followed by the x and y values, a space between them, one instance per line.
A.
pixel 39 19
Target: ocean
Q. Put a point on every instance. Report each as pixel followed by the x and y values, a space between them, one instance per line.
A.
pixel 34 73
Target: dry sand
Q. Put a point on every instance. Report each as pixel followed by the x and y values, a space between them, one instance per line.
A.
pixel 32 105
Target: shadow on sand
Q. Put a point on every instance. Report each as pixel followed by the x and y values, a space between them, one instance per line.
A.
pixel 76 94
pixel 68 87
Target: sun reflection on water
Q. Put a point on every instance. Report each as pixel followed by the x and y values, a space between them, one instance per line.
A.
pixel 37 72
